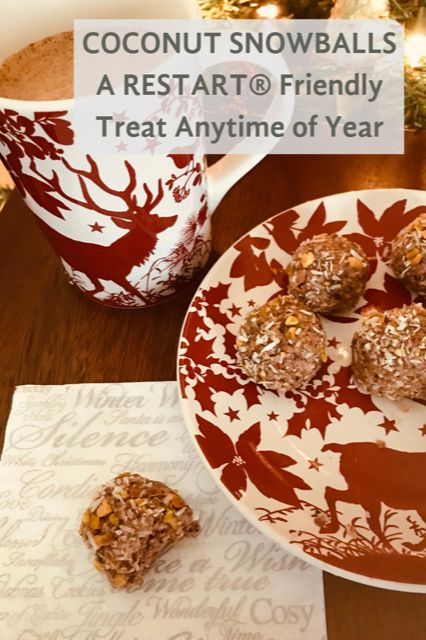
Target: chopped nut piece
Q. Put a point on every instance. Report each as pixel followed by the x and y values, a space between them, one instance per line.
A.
pixel 177 501
pixel 416 259
pixel 291 321
pixel 103 539
pixel 356 263
pixel 104 509
pixel 170 519
pixel 307 259
pixel 291 333
pixel 119 580
pixel 114 519
pixel 412 254
pixel 86 517
pixel 95 522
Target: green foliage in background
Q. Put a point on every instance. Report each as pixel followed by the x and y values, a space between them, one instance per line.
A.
pixel 415 98
pixel 405 11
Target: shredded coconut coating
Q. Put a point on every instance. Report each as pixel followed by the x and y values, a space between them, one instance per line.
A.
pixel 408 257
pixel 131 521
pixel 328 273
pixel 389 353
pixel 282 344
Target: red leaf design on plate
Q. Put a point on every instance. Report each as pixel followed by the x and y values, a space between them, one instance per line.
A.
pixel 318 411
pixel 200 357
pixel 389 224
pixel 264 468
pixel 212 298
pixel 280 276
pixel 366 242
pixel 214 443
pixel 251 265
pixel 251 393
pixel 235 479
pixel 394 295
pixel 321 402
pixel 204 395
pixel 281 227
pixel 199 348
pixel 351 395
pixel 368 220
pixel 317 224
pixel 249 440
pixel 236 382
pixel 280 460
pixel 395 218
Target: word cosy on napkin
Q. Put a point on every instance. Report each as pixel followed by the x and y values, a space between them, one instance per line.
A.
pixel 229 583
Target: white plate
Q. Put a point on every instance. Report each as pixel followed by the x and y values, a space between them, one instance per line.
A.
pixel 284 457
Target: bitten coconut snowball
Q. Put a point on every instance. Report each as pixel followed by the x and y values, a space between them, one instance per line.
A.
pixel 130 523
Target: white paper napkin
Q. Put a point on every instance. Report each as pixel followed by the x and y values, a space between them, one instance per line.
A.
pixel 229 583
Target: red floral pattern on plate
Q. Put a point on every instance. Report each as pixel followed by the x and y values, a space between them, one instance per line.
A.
pixel 264 468
pixel 330 433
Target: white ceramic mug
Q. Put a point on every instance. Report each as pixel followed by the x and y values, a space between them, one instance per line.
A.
pixel 131 230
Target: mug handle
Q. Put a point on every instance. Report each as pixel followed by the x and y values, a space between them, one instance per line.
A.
pixel 226 172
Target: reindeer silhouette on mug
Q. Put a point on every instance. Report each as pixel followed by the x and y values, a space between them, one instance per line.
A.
pixel 113 262
pixel 377 475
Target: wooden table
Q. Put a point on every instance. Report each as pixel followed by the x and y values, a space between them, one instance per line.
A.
pixel 50 334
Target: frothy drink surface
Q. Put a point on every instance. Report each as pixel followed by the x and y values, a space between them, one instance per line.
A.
pixel 43 70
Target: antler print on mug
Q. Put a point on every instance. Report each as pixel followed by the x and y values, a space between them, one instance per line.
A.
pixel 116 261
